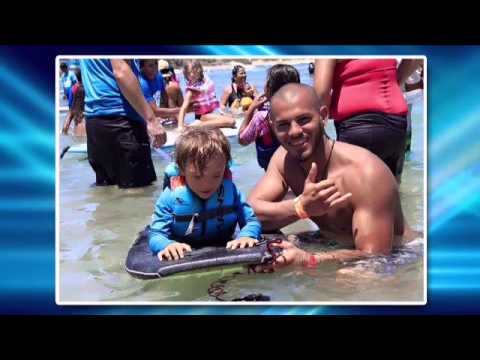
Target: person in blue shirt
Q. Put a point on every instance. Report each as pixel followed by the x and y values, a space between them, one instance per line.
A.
pixel 119 123
pixel 67 79
pixel 200 205
pixel 153 88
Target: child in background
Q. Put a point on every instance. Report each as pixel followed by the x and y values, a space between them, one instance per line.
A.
pixel 255 126
pixel 200 205
pixel 77 107
pixel 200 94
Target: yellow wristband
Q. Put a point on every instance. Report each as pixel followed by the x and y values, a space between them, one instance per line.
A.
pixel 301 213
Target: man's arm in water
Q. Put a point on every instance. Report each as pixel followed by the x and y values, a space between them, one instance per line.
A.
pixel 372 225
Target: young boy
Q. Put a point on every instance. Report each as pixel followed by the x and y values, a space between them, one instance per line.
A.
pixel 200 205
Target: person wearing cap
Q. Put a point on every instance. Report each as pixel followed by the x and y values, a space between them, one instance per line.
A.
pixel 120 123
pixel 172 85
pixel 153 88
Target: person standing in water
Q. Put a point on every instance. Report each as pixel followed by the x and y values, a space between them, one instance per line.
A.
pixel 412 88
pixel 365 100
pixel 67 79
pixel 119 123
pixel 76 112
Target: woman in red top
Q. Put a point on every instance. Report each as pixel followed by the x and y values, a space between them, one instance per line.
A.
pixel 367 104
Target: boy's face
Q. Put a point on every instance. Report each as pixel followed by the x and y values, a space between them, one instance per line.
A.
pixel 205 184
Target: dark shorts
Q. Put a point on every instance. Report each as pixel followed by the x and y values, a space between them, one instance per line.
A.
pixel 382 134
pixel 119 152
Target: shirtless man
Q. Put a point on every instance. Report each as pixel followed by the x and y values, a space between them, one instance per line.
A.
pixel 367 219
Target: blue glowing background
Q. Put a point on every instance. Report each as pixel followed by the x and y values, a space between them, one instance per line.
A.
pixel 27 177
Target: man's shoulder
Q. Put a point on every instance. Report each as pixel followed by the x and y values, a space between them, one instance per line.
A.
pixel 358 158
pixel 365 173
pixel 279 157
pixel 281 164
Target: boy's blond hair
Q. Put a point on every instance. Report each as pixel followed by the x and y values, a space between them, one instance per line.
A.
pixel 199 145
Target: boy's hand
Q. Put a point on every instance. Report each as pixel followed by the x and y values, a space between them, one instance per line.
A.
pixel 174 251
pixel 241 243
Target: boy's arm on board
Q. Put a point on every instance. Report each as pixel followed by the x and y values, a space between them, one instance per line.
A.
pixel 162 221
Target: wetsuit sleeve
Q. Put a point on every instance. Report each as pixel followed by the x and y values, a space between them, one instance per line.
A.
pixel 252 131
pixel 248 222
pixel 162 222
